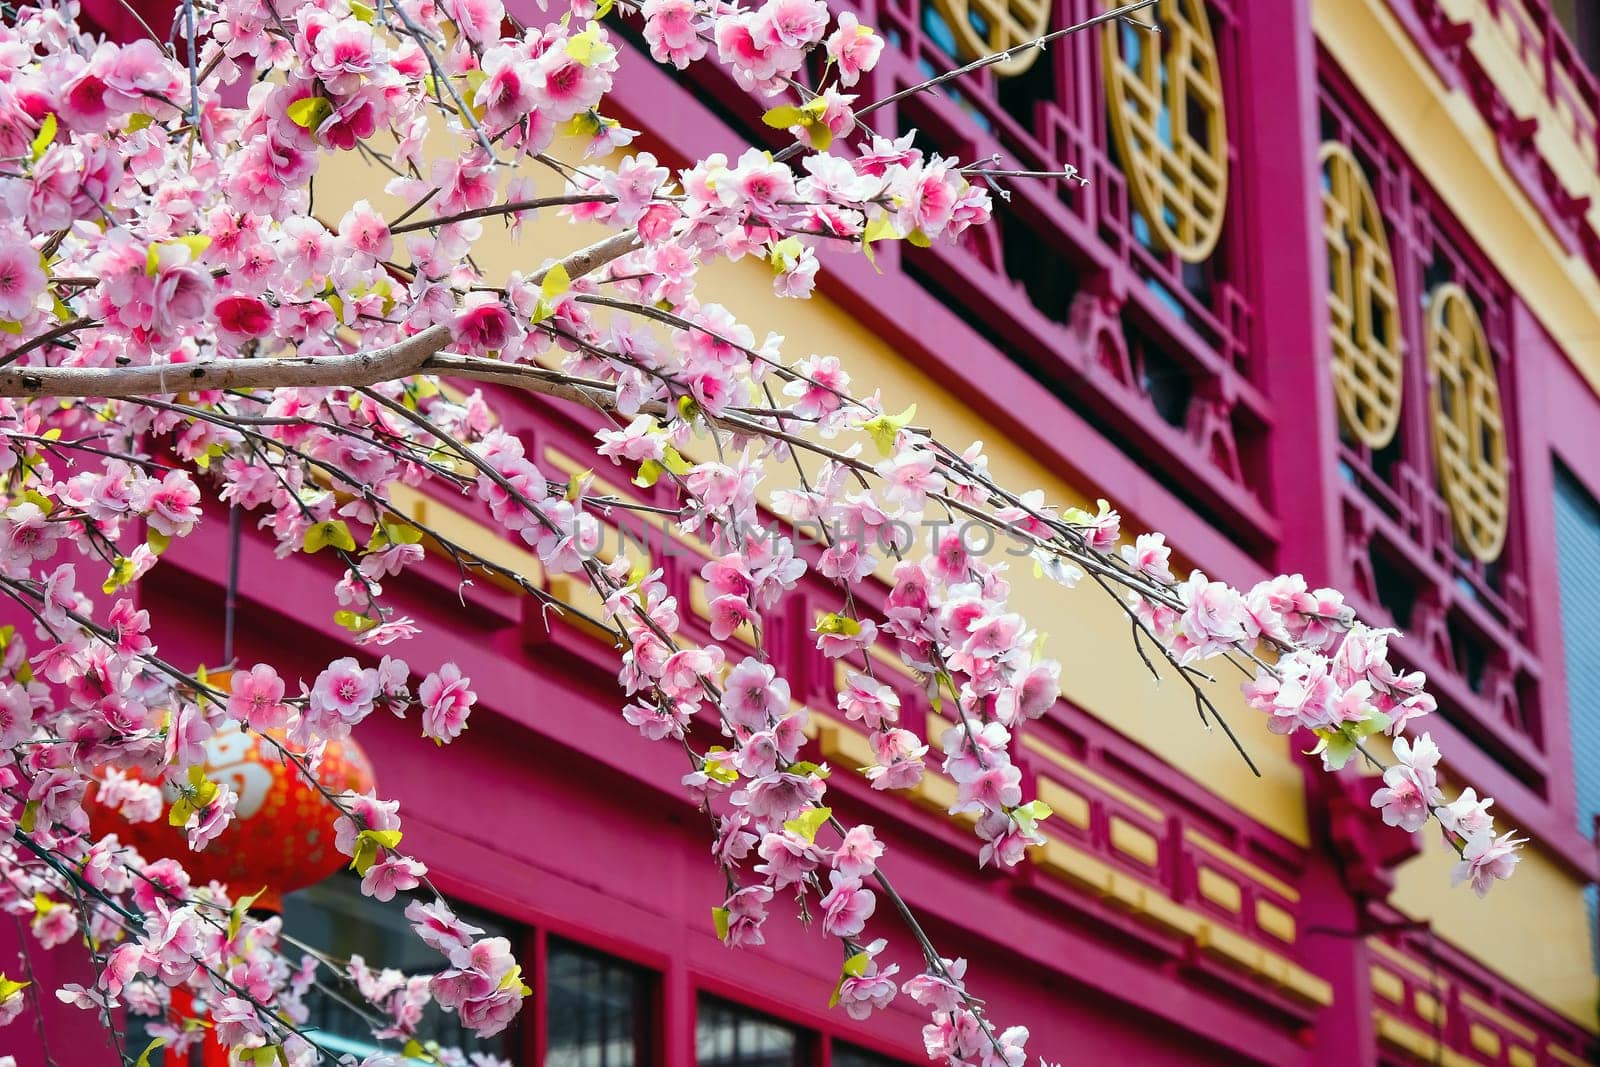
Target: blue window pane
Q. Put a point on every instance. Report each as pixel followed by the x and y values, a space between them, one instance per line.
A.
pixel 1578 554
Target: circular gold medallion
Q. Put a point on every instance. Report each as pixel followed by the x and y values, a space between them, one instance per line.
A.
pixel 1469 435
pixel 1363 303
pixel 1164 97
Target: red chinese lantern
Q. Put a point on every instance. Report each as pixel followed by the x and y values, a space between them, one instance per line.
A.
pixel 281 837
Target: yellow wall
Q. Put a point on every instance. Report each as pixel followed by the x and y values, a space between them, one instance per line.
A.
pixel 1533 929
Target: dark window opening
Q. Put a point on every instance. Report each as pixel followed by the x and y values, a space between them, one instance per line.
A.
pixel 850 1056
pixel 1048 278
pixel 727 1035
pixel 598 1009
pixel 339 921
pixel 1396 590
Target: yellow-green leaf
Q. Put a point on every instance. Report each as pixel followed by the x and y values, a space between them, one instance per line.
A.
pixel 354 622
pixel 43 905
pixel 878 229
pixel 240 908
pixel 674 462
pixel 719 919
pixel 578 483
pixel 362 11
pixel 46 134
pixel 157 540
pixel 369 844
pixel 585 47
pixel 785 254
pixel 10 326
pixel 121 574
pixel 854 967
pixel 885 428
pixel 9 989
pixel 783 116
pixel 196 243
pixel 310 112
pixel 138 121
pixel 556 281
pixel 30 815
pixel 415 1050
pixel 329 532
pixel 144 1057
pixel 834 623
pixel 807 823
pixel 649 474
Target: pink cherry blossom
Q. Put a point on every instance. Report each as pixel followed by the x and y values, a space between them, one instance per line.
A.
pixel 446 702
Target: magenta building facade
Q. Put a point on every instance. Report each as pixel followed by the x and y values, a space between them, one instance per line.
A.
pixel 1222 335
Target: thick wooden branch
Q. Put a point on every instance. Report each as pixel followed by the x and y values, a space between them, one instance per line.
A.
pixel 399 360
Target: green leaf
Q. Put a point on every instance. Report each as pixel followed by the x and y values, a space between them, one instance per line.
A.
pixel 354 622
pixel 674 462
pixel 719 919
pixel 362 11
pixel 578 483
pixel 784 116
pixel 121 574
pixel 240 907
pixel 369 844
pixel 834 623
pixel 586 47
pixel 157 540
pixel 854 967
pixel 9 989
pixel 1031 814
pixel 879 229
pixel 10 326
pixel 138 121
pixel 196 243
pixel 30 816
pixel 144 1057
pixel 200 792
pixel 556 282
pixel 46 134
pixel 807 823
pixel 649 474
pixel 329 532
pixel 309 113
pixel 805 767
pixel 885 428
pixel 784 254
pixel 414 1050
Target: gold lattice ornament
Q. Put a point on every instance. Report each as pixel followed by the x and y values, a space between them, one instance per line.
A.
pixel 1469 434
pixel 1164 102
pixel 985 27
pixel 1363 303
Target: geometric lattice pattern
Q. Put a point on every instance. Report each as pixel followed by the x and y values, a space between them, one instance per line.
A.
pixel 1164 97
pixel 1363 305
pixel 1469 435
pixel 987 27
